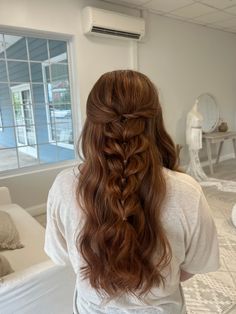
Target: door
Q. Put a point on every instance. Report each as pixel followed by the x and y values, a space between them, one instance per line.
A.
pixel 24 119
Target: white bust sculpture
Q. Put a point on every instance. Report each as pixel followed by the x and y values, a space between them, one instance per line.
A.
pixel 194 142
pixel 194 128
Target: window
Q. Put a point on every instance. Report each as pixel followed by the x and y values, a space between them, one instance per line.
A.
pixel 35 102
pixel 1 129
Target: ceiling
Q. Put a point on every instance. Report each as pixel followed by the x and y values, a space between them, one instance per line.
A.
pixel 219 14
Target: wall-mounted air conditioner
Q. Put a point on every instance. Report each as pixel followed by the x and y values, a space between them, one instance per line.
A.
pixel 108 23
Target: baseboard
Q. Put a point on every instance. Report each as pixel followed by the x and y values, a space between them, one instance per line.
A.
pixel 37 209
pixel 206 162
pixel 222 158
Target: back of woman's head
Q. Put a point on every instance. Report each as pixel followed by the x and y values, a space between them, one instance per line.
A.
pixel 122 187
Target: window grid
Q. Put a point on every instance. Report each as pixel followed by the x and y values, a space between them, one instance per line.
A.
pixel 48 111
pixel 9 88
pixel 34 104
pixel 32 98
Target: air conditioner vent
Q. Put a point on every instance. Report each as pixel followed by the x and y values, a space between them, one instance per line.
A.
pixel 114 32
pixel 101 22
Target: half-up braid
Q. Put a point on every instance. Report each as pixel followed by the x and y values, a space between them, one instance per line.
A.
pixel 121 185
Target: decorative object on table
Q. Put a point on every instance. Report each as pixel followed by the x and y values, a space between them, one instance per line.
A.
pixel 223 126
pixel 209 109
pixel 203 117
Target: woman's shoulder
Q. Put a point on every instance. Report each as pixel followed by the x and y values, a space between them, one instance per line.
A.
pixel 67 174
pixel 182 182
pixel 65 181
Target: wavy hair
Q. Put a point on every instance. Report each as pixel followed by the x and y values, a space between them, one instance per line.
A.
pixel 121 185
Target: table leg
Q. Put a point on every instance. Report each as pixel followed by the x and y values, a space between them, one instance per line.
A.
pixel 234 144
pixel 208 145
pixel 219 152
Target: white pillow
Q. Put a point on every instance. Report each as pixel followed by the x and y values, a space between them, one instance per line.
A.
pixel 9 236
pixel 5 267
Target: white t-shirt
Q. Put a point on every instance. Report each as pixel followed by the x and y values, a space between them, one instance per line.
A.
pixel 189 227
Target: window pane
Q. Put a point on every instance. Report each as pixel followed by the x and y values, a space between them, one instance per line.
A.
pixel 18 71
pixel 62 114
pixel 26 135
pixel 56 48
pixel 8 159
pixel 45 134
pixel 52 132
pixel 2 45
pixel 7 138
pixel 38 49
pixel 1 121
pixel 64 133
pixel 15 47
pixel 28 156
pixel 59 72
pixel 35 110
pixel 59 92
pixel 47 72
pixel 39 93
pixel 36 72
pixel 62 106
pixel 22 104
pixel 65 154
pixel 7 116
pixel 50 114
pixel 40 114
pixel 3 72
pixel 47 153
pixel 5 98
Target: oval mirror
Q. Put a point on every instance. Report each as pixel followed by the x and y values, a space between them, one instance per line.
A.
pixel 209 110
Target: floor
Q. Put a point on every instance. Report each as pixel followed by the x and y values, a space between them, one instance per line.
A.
pixel 41 219
pixel 215 292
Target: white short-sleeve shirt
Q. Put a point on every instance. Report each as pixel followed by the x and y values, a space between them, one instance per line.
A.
pixel 189 226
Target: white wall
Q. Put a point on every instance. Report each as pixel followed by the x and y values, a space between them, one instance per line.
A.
pixel 92 57
pixel 185 60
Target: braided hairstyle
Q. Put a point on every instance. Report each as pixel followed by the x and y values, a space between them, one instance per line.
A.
pixel 121 185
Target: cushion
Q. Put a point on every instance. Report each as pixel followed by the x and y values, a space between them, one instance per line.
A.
pixel 9 236
pixel 5 267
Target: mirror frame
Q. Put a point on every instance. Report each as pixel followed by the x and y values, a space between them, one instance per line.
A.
pixel 215 124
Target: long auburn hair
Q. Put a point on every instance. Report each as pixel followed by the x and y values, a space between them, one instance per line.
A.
pixel 121 185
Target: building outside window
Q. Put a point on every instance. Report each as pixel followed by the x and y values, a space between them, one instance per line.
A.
pixel 35 102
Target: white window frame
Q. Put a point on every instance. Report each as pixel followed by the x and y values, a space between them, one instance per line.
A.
pixel 1 124
pixel 45 64
pixel 74 92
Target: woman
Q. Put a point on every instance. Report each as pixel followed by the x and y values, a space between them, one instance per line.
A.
pixel 130 224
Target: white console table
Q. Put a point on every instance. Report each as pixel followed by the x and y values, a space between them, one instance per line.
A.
pixel 218 137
